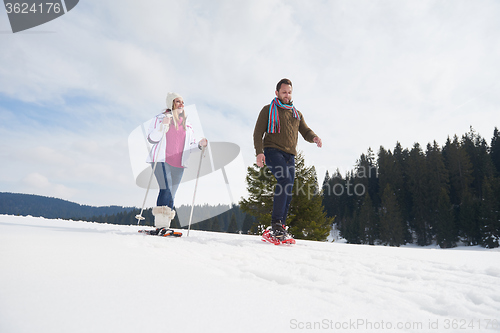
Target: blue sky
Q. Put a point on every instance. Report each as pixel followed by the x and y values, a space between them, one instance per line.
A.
pixel 365 73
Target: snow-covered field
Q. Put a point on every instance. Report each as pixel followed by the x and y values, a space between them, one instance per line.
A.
pixel 68 277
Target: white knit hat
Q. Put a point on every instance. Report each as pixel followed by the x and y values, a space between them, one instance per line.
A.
pixel 170 99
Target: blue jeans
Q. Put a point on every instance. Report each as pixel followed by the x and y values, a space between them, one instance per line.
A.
pixel 282 166
pixel 168 178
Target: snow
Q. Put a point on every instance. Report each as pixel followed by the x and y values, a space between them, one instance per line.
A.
pixel 73 276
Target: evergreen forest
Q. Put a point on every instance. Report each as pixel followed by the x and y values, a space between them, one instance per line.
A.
pixel 447 195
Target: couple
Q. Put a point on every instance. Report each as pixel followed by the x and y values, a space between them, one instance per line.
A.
pixel 275 141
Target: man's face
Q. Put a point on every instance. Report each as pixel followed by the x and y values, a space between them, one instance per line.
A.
pixel 285 94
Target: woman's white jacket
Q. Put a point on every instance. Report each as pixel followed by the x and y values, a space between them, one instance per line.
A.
pixel 155 134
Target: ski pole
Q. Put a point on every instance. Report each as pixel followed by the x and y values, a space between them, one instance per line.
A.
pixel 195 187
pixel 139 217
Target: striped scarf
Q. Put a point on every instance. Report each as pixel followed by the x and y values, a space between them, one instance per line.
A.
pixel 273 122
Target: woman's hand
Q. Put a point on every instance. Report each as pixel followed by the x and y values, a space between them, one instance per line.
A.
pixel 167 120
pixel 203 142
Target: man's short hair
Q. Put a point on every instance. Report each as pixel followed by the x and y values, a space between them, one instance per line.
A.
pixel 283 81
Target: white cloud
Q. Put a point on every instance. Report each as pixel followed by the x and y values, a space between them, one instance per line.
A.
pixel 36 180
pixel 37 183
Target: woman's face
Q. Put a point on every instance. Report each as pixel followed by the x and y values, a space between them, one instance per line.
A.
pixel 178 103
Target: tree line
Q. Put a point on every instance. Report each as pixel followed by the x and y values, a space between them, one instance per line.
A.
pixel 214 218
pixel 52 208
pixel 449 195
pixel 220 218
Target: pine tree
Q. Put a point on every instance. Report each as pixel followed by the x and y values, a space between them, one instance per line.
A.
pixel 368 224
pixel 366 177
pixel 247 223
pixel 495 150
pixel 417 177
pixel 468 220
pixel 335 202
pixel 326 179
pixel 446 234
pixel 233 226
pixel 350 229
pixel 307 218
pixel 400 181
pixel 386 168
pixel 391 222
pixel 482 165
pixel 216 226
pixel 437 178
pixel 489 217
pixel 260 186
pixel 460 170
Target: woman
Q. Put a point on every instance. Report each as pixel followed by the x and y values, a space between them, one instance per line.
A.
pixel 172 137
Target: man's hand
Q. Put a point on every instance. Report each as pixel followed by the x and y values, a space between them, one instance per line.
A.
pixel 261 160
pixel 318 142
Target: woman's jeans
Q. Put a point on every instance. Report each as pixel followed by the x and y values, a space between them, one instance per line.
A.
pixel 168 178
pixel 282 166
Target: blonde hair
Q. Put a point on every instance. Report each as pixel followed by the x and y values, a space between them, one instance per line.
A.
pixel 176 116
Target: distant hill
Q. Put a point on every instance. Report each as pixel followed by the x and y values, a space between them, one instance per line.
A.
pixel 36 205
pixel 213 218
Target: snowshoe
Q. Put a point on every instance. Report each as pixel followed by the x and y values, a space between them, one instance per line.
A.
pixel 277 237
pixel 162 232
pixel 170 233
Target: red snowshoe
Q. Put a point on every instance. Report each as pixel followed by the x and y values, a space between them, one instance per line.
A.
pixel 283 238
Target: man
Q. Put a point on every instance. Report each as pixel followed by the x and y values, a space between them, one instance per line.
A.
pixel 275 141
